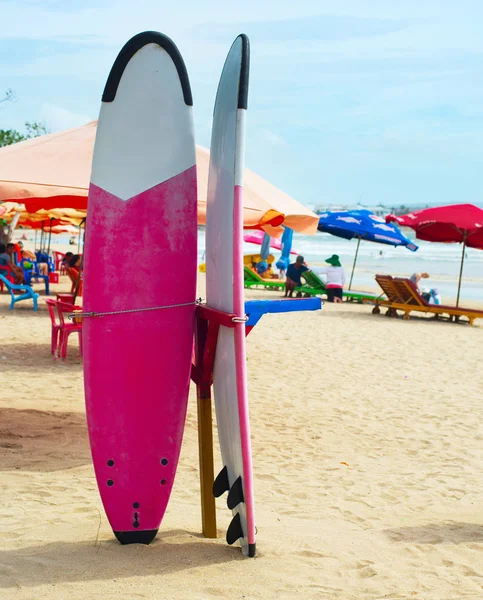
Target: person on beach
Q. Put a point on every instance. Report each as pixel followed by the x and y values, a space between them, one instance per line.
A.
pixel 416 278
pixel 67 257
pixel 30 256
pixel 74 261
pixel 6 261
pixel 293 278
pixel 335 275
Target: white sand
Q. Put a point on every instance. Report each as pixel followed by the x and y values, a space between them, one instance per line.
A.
pixel 368 468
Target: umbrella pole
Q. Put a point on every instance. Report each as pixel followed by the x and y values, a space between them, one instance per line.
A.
pixel 35 242
pixel 41 249
pixel 461 270
pixel 13 225
pixel 50 236
pixel 355 260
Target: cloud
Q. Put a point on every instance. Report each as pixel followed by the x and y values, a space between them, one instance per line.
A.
pixel 314 27
pixel 57 117
pixel 271 138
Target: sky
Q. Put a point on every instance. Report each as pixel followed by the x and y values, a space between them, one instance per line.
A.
pixel 350 100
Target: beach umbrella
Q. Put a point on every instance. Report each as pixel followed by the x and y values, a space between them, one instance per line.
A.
pixel 256 237
pixel 53 171
pixel 284 260
pixel 265 249
pixel 456 223
pixel 363 225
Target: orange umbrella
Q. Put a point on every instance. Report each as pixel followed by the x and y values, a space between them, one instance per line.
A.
pixel 53 171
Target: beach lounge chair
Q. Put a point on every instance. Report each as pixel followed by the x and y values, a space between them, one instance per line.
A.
pixel 403 295
pixel 28 292
pixel 315 282
pixel 253 280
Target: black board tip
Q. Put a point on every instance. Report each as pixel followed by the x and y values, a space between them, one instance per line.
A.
pixel 252 550
pixel 244 72
pixel 129 50
pixel 136 537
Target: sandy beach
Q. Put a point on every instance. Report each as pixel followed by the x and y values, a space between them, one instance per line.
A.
pixel 368 465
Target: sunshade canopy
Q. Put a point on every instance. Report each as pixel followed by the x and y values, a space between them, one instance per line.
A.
pixel 364 225
pixel 457 223
pixel 53 171
pixel 453 223
pixel 256 237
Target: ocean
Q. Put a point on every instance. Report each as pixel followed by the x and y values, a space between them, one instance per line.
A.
pixel 441 261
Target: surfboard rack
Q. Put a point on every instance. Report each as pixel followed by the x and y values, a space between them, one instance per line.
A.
pixel 207 327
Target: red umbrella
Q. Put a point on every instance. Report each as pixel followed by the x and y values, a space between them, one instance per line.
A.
pixel 460 223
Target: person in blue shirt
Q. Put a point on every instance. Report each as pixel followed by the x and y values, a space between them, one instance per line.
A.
pixel 293 277
pixel 6 261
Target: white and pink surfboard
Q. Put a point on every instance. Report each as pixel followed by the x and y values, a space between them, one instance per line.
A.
pixel 140 283
pixel 224 291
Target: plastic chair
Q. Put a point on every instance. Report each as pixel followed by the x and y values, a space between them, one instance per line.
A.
pixel 43 257
pixel 33 272
pixel 7 272
pixel 29 293
pixel 58 264
pixel 67 328
pixel 56 327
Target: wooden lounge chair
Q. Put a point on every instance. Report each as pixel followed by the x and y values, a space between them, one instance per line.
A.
pixel 320 289
pixel 403 295
pixel 253 280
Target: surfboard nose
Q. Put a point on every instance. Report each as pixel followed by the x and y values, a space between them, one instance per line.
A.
pixel 136 537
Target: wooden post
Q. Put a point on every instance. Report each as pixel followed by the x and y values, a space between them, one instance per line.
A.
pixel 205 432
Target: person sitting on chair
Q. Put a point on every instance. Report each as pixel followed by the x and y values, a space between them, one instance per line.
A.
pixel 6 261
pixel 293 278
pixel 30 256
pixel 74 261
pixel 416 278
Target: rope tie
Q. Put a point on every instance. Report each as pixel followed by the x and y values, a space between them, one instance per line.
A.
pixel 84 315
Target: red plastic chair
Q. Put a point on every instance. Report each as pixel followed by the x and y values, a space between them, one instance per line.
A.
pixel 52 305
pixel 7 272
pixel 59 265
pixel 66 328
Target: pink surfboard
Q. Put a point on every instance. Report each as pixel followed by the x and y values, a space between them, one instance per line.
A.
pixel 140 283
pixel 224 291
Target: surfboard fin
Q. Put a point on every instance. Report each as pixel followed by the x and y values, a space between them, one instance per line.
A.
pixel 221 484
pixel 234 531
pixel 235 495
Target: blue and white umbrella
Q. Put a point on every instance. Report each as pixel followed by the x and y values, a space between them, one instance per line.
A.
pixel 363 225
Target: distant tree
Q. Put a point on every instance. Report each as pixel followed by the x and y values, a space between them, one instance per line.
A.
pixel 9 97
pixel 12 136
